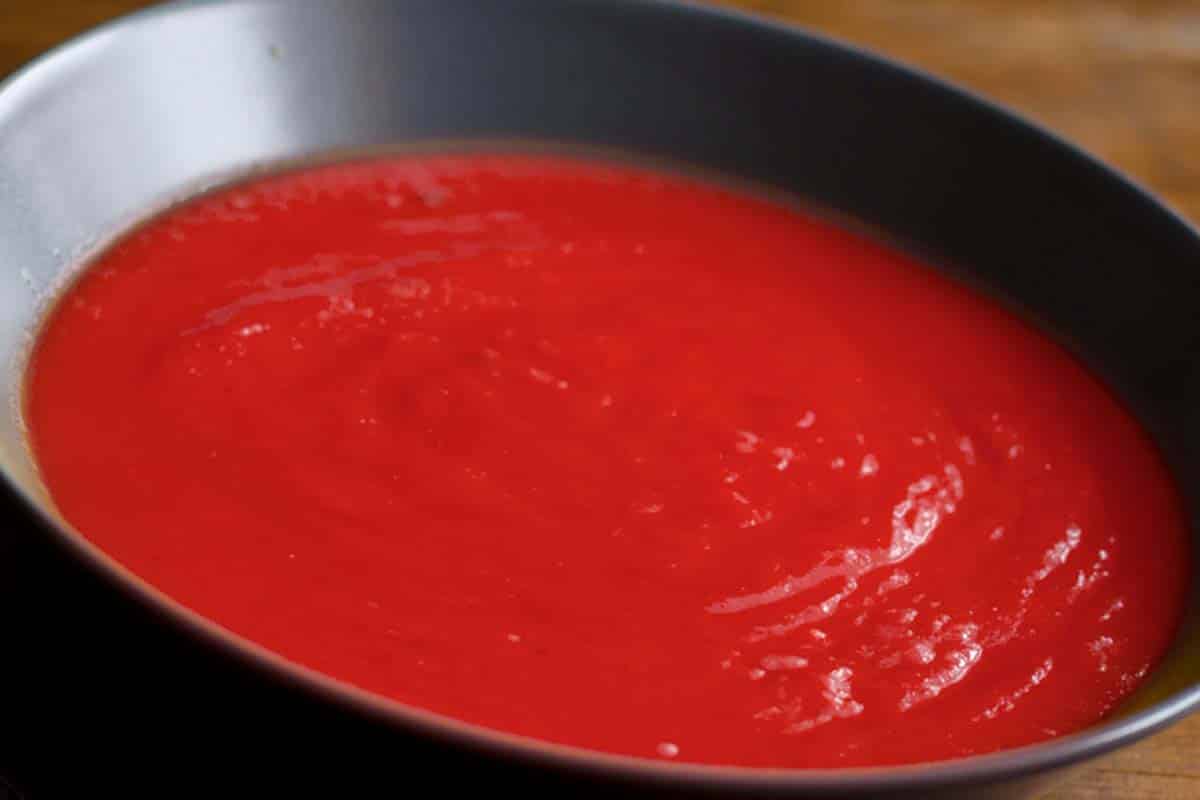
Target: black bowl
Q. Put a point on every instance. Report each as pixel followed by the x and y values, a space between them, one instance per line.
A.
pixel 108 687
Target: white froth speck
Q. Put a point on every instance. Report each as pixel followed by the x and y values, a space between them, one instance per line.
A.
pixel 747 442
pixel 870 465
pixel 774 663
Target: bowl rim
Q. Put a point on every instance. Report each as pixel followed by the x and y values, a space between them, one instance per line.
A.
pixel 1095 740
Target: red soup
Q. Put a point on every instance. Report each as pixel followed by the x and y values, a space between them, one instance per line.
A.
pixel 610 458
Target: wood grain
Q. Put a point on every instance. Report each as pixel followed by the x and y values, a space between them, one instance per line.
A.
pixel 1119 77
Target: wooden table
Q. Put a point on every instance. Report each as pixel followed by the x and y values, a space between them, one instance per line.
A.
pixel 1120 77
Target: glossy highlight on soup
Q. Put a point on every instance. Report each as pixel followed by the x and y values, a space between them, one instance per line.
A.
pixel 611 458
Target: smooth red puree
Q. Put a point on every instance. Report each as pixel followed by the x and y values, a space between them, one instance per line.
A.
pixel 610 458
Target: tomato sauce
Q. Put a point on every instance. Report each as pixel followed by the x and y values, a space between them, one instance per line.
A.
pixel 611 458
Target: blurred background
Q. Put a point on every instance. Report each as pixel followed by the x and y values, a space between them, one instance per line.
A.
pixel 1121 78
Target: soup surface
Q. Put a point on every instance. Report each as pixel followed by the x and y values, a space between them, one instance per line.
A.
pixel 610 458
